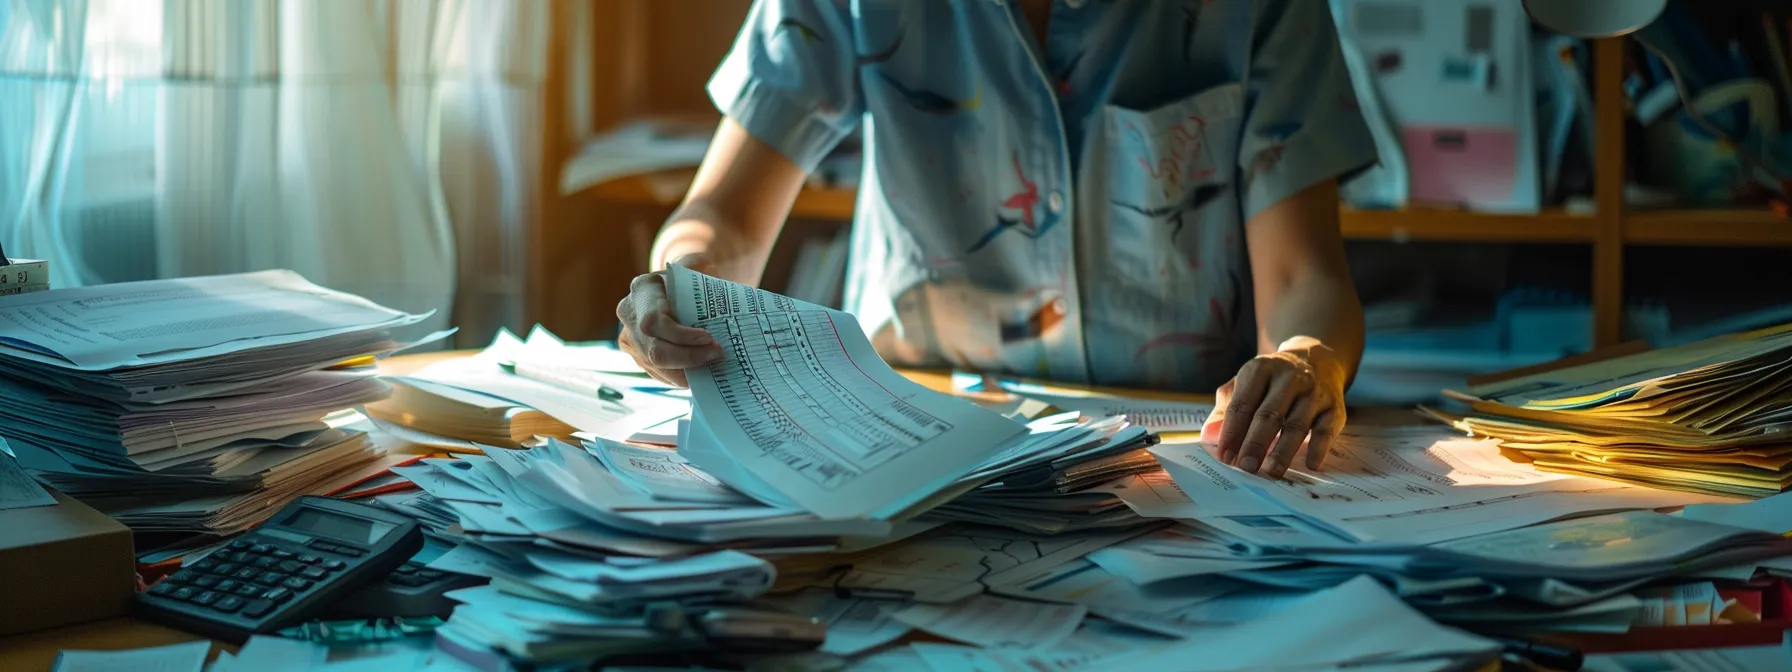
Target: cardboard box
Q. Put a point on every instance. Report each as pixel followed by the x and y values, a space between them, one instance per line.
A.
pixel 62 564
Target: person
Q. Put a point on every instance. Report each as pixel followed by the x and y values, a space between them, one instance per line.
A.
pixel 1123 193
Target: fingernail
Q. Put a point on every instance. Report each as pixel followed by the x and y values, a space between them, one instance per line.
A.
pixel 1250 464
pixel 1274 469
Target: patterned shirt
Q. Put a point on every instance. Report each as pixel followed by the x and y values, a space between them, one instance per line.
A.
pixel 1070 208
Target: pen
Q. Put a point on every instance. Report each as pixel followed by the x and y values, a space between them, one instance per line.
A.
pixel 570 380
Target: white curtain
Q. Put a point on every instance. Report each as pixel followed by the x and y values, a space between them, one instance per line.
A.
pixel 380 147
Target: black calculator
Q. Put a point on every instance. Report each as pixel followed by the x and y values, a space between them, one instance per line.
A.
pixel 308 556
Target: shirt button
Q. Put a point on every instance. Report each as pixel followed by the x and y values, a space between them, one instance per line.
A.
pixel 1055 201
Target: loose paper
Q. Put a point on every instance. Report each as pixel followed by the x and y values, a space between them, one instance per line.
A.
pixel 802 402
pixel 17 489
pixel 989 621
pixel 188 657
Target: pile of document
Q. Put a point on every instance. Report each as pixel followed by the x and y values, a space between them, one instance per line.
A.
pixel 1704 417
pixel 192 405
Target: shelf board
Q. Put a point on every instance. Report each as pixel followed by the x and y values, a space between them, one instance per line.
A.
pixel 1712 228
pixel 1550 226
pixel 1419 224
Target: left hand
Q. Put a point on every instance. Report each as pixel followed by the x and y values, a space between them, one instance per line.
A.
pixel 1276 403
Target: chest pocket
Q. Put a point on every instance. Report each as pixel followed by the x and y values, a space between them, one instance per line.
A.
pixel 1170 190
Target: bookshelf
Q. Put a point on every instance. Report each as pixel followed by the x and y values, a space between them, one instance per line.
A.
pixel 1607 230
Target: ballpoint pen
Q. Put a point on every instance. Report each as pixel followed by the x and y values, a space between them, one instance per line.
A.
pixel 571 380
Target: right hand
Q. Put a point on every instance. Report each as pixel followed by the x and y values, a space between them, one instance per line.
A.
pixel 652 335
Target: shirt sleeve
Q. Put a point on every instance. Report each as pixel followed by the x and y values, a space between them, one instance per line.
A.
pixel 1303 125
pixel 791 78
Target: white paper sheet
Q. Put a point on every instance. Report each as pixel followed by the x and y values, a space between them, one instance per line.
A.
pixel 1154 608
pixel 484 373
pixel 1145 568
pixel 1404 485
pixel 188 657
pixel 990 621
pixel 17 489
pixel 1152 414
pixel 1768 514
pixel 854 625
pixel 109 326
pixel 662 474
pixel 1770 657
pixel 953 564
pixel 432 480
pixel 802 401
pixel 1325 629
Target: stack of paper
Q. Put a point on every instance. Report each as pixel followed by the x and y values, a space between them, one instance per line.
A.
pixel 1705 417
pixel 192 405
pixel 802 413
pixel 464 414
pixel 517 389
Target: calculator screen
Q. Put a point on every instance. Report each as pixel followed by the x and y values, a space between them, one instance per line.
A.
pixel 336 525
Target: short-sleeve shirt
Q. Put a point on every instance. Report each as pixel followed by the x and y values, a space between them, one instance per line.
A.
pixel 1071 208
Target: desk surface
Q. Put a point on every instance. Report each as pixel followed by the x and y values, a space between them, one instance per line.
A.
pixel 36 651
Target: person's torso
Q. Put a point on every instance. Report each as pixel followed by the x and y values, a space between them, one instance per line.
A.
pixel 1064 209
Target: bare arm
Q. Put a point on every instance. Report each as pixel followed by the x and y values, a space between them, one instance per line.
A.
pixel 736 206
pixel 1309 338
pixel 725 227
pixel 1303 287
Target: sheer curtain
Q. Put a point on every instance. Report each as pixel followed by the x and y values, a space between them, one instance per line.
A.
pixel 381 147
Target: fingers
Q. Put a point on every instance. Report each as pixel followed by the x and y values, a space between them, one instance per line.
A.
pixel 653 313
pixel 658 343
pixel 673 377
pixel 1247 395
pixel 1265 423
pixel 1292 434
pixel 1325 428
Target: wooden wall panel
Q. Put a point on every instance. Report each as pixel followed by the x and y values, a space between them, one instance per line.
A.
pixel 650 58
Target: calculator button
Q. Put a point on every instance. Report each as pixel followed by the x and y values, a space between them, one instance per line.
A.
pixel 313 573
pixel 184 593
pixel 350 550
pixel 240 545
pixel 408 580
pixel 270 578
pixel 405 569
pixel 246 574
pixel 257 608
pixel 322 545
pixel 290 566
pixel 260 548
pixel 226 569
pixel 333 565
pixel 205 565
pixel 162 589
pixel 283 555
pixel 310 559
pixel 206 598
pixel 239 556
pixel 277 595
pixel 205 582
pixel 226 586
pixel 429 575
pixel 295 584
pixel 249 590
pixel 228 603
pixel 265 562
